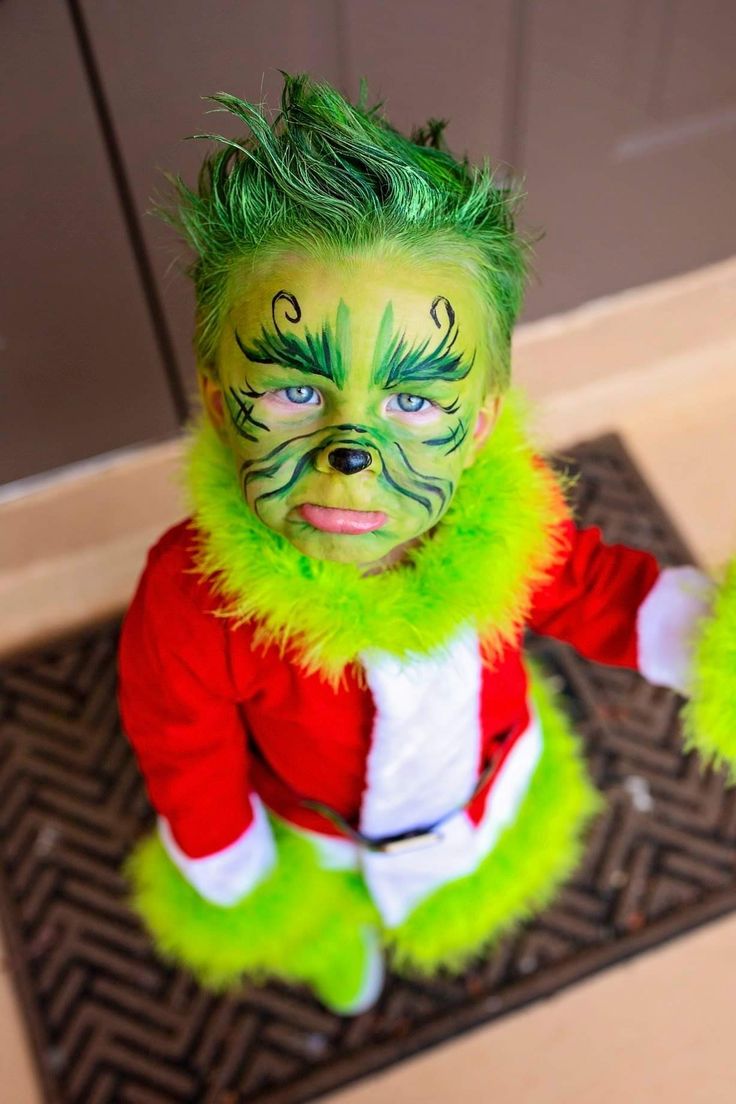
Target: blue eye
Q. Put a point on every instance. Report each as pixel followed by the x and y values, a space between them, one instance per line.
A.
pixel 302 395
pixel 411 404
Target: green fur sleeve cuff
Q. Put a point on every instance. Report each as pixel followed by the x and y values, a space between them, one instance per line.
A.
pixel 709 717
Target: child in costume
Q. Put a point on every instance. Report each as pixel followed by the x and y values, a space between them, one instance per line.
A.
pixel 321 671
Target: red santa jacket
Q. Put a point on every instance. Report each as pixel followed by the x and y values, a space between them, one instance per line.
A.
pixel 215 722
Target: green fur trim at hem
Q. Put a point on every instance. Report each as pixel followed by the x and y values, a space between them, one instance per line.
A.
pixel 302 923
pixel 709 717
pixel 519 877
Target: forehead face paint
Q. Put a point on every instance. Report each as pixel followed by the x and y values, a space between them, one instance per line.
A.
pixel 351 392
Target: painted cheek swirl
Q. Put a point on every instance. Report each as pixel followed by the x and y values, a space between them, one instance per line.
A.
pixel 303 463
pixel 441 488
pixel 294 458
pixel 251 470
pixel 240 402
pixel 453 438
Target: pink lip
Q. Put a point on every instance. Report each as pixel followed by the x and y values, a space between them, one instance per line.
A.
pixel 334 520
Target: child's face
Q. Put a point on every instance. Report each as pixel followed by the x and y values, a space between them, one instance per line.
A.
pixel 352 395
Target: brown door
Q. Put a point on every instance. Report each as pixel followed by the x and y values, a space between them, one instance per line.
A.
pixel 80 372
pixel 627 136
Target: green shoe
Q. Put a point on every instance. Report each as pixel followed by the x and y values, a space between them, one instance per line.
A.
pixel 353 978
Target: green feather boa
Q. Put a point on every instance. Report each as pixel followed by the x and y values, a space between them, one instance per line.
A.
pixel 494 545
pixel 709 717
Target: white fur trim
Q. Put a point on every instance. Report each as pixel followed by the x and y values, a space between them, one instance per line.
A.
pixel 227 875
pixel 399 881
pixel 426 737
pixel 666 625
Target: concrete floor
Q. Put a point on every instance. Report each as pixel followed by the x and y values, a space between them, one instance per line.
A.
pixel 656 1029
pixel 657 364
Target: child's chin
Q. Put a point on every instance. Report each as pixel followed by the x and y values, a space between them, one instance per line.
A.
pixel 362 549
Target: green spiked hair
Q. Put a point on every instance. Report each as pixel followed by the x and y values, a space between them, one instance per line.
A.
pixel 327 177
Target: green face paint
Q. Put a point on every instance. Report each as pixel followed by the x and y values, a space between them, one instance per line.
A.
pixel 319 354
pixel 351 392
pixel 397 363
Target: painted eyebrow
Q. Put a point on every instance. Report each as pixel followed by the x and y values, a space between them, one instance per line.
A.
pixel 401 363
pixel 321 353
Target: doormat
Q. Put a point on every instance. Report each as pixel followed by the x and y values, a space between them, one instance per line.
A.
pixel 111 1025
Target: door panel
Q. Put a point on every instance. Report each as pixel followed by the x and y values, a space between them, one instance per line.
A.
pixel 80 373
pixel 156 69
pixel 424 59
pixel 628 143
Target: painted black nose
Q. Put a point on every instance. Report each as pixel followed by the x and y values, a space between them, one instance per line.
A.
pixel 349 460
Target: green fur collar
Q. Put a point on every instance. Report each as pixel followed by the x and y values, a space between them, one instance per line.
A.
pixel 494 544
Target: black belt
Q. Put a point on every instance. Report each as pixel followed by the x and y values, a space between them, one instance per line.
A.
pixel 415 837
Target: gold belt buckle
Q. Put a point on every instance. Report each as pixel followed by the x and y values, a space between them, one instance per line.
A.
pixel 408 841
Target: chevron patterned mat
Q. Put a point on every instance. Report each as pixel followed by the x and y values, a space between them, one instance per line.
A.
pixel 111 1025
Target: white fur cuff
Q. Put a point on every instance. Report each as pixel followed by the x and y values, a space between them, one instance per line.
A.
pixel 667 621
pixel 227 875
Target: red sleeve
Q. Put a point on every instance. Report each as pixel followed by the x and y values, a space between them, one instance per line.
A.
pixel 593 598
pixel 179 707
